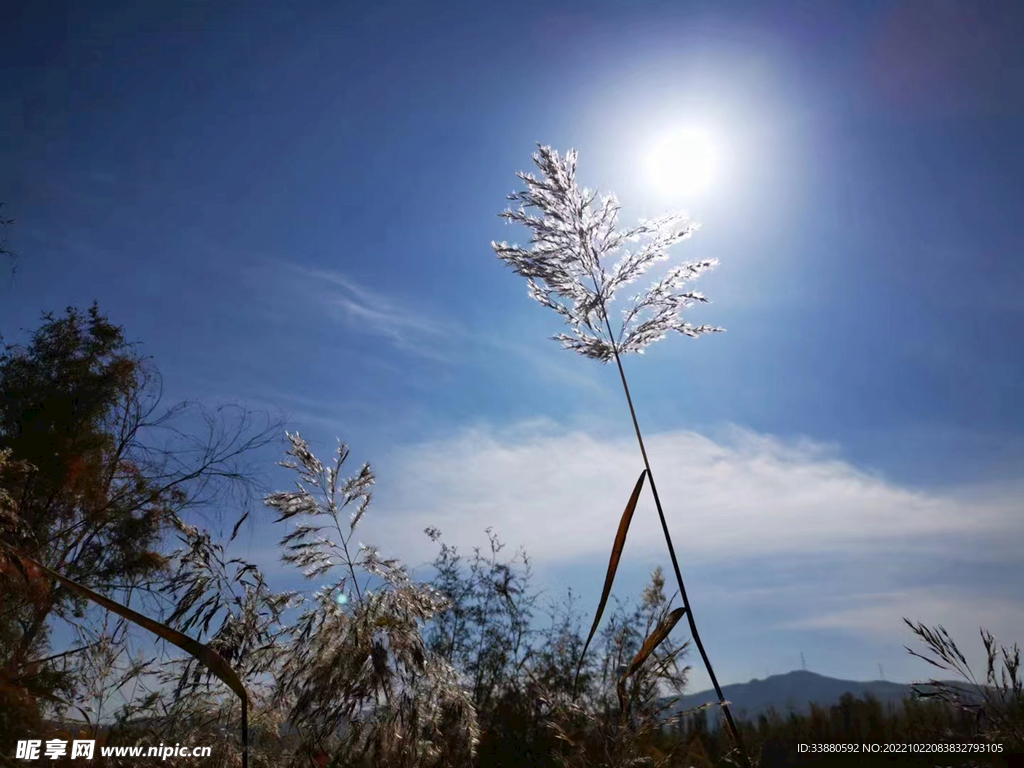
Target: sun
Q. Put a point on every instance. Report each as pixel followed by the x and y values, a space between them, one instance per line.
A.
pixel 682 162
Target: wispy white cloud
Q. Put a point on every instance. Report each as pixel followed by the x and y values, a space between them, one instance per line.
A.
pixel 411 328
pixel 560 494
pixel 376 313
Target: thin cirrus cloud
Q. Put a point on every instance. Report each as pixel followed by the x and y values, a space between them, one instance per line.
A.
pixel 412 330
pixel 559 493
pixel 363 308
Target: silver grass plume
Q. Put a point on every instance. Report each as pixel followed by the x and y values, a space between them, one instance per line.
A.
pixel 357 663
pixel 567 269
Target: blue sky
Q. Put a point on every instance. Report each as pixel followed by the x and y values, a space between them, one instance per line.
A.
pixel 293 208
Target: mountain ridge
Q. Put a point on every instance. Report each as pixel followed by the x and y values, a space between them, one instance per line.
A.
pixel 793 692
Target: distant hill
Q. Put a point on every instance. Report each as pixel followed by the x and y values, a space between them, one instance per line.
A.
pixel 792 692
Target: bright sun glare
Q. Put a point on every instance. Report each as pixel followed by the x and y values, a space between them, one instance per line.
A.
pixel 682 162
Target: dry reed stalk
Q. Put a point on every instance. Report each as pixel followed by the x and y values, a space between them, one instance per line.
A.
pixel 565 272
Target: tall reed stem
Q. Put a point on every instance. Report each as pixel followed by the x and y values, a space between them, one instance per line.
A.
pixel 672 552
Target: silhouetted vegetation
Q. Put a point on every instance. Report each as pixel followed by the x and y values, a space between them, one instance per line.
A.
pixel 471 666
pixel 95 476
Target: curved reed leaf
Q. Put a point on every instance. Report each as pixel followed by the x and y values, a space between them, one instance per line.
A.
pixel 202 653
pixel 613 565
pixel 234 531
pixel 656 638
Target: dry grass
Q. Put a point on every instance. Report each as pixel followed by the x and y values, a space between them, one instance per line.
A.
pixel 996 701
pixel 458 672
